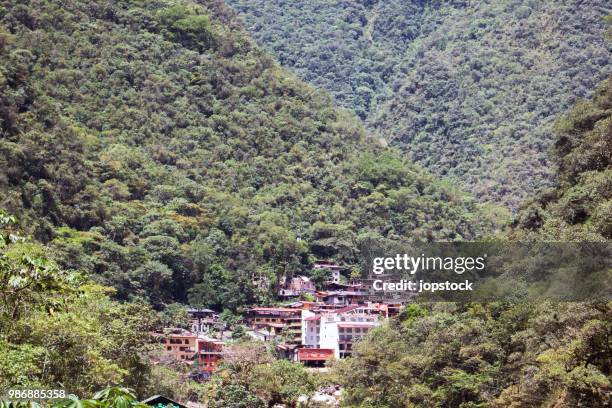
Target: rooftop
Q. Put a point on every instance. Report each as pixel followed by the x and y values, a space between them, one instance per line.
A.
pixel 274 309
pixel 346 309
pixel 194 310
pixel 173 332
pixel 209 339
pixel 358 324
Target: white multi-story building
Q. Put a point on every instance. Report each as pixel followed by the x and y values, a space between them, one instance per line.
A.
pixel 336 270
pixel 338 329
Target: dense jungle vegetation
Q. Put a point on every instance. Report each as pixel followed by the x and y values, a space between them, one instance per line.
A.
pixel 579 207
pixel 510 353
pixel 156 147
pixel 151 153
pixel 495 355
pixel 469 89
pixel 60 329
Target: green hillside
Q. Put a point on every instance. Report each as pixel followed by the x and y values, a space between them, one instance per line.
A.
pixel 579 207
pixel 154 146
pixel 510 352
pixel 468 89
pixel 152 153
pixel 497 355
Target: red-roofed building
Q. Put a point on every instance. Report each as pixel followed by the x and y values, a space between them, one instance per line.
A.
pixel 314 357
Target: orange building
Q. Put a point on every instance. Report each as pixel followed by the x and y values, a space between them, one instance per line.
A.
pixel 188 348
pixel 180 343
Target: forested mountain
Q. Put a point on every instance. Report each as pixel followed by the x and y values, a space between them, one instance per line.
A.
pixel 510 353
pixel 496 355
pixel 470 89
pixel 156 147
pixel 579 207
pixel 153 147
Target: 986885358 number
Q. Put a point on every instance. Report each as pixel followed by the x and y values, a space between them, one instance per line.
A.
pixel 35 394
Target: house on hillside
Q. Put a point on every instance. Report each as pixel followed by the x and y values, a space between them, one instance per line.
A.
pixel 335 330
pixel 296 286
pixel 335 269
pixel 187 348
pixel 179 343
pixel 210 352
pixel 341 298
pixel 276 321
pixel 204 320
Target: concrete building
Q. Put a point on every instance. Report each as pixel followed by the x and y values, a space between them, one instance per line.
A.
pixel 296 286
pixel 210 352
pixel 337 330
pixel 336 270
pixel 187 347
pixel 277 321
pixel 342 298
pixel 203 320
pixel 179 343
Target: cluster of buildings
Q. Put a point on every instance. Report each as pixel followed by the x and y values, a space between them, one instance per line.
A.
pixel 314 332
pixel 194 347
pixel 201 352
pixel 311 332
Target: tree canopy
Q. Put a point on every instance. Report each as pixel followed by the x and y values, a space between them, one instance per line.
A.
pixel 468 89
pixel 156 147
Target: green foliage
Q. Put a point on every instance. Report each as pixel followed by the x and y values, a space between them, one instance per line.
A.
pixel 189 28
pixel 112 397
pixel 250 378
pixel 320 276
pixel 468 89
pixel 496 355
pixel 235 396
pixel 175 315
pixel 238 333
pixel 229 318
pixel 283 382
pixel 19 404
pixel 153 145
pixel 579 207
pixel 57 328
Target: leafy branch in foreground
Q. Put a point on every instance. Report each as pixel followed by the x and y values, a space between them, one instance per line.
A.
pixel 112 397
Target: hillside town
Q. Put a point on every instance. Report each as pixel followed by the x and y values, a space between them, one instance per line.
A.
pixel 311 332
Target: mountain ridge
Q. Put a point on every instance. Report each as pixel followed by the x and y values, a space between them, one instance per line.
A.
pixel 157 147
pixel 463 88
